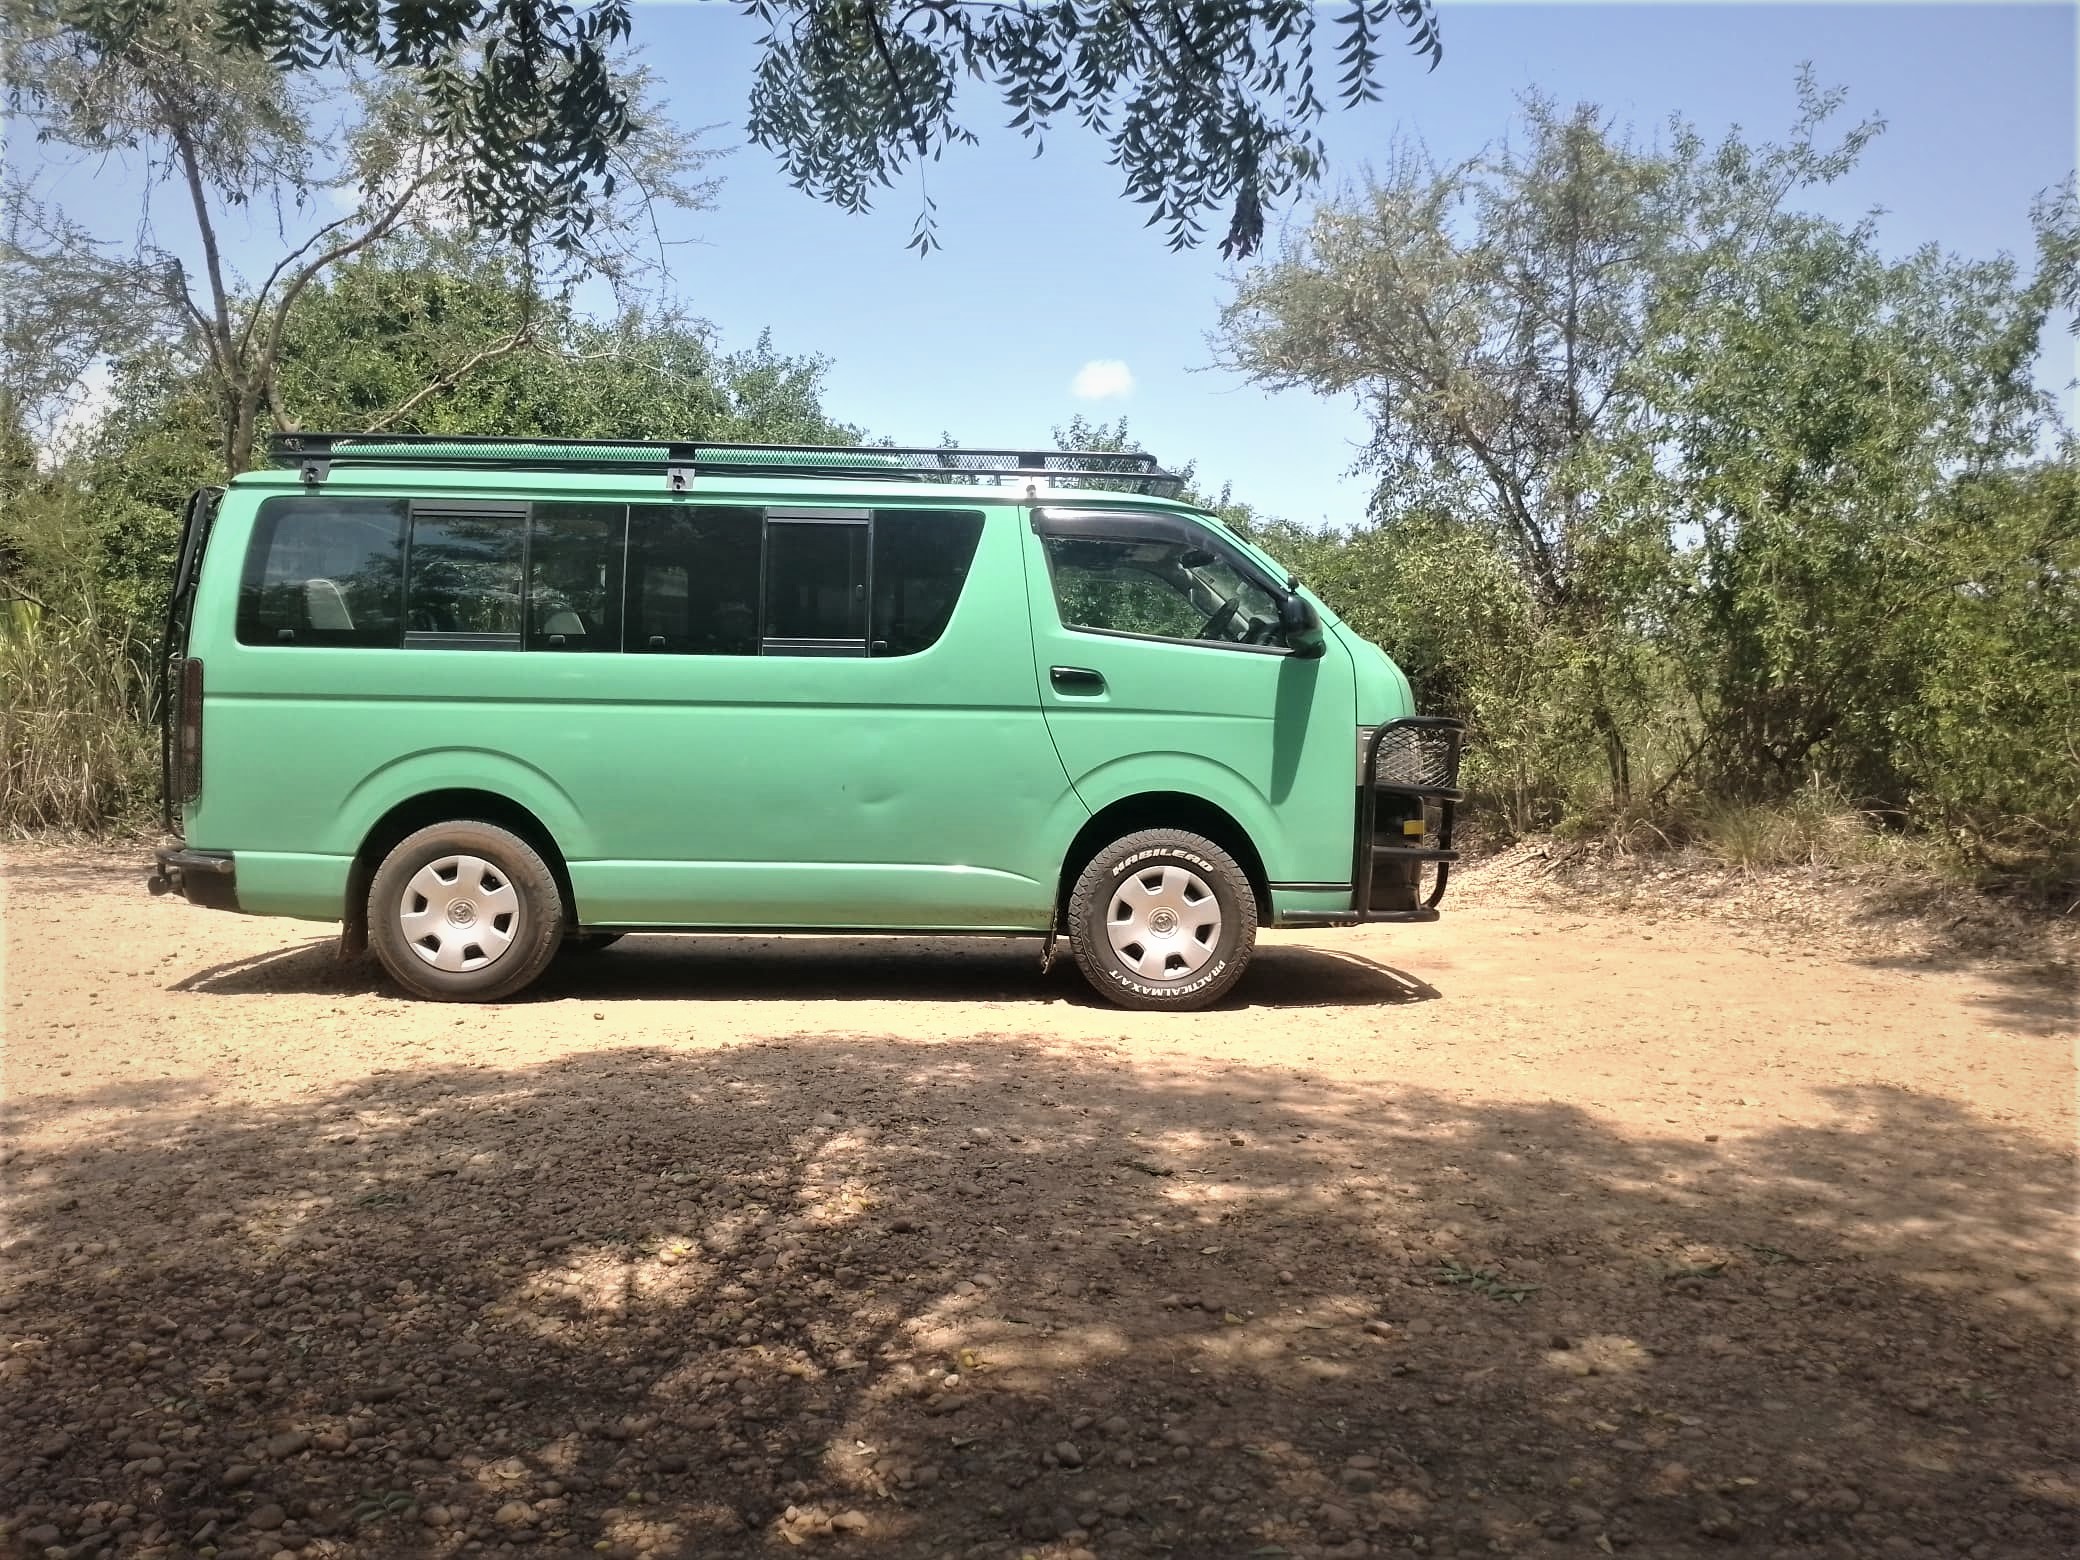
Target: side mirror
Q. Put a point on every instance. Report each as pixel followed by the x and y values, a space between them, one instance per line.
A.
pixel 1301 626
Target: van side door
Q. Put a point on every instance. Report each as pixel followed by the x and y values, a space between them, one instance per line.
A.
pixel 829 722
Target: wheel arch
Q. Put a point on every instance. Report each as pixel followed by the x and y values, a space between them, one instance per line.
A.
pixel 449 805
pixel 1163 810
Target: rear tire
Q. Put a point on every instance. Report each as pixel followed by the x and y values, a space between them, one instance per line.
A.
pixel 464 912
pixel 1163 920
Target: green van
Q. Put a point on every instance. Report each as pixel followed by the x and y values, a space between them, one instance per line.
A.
pixel 482 701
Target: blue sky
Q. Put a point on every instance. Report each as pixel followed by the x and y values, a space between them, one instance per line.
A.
pixel 1045 269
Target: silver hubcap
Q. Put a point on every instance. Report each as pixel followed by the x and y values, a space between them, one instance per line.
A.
pixel 459 913
pixel 1164 922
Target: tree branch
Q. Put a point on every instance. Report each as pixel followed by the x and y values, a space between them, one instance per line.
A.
pixel 16 593
pixel 191 171
pixel 895 78
pixel 380 227
pixel 283 422
pixel 268 352
pixel 504 347
pixel 273 276
pixel 186 300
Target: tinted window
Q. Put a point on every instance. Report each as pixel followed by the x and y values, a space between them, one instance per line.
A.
pixel 463 577
pixel 816 583
pixel 323 571
pixel 574 577
pixel 693 580
pixel 1164 588
pixel 921 560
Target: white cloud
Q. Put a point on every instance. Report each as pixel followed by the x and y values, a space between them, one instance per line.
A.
pixel 1102 379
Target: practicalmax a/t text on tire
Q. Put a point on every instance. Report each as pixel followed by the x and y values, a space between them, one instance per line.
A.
pixel 1163 919
pixel 464 912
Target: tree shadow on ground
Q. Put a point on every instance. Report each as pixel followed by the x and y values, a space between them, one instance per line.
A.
pixel 878 1297
pixel 2039 997
pixel 744 969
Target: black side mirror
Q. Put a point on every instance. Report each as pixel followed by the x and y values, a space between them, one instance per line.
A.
pixel 1301 626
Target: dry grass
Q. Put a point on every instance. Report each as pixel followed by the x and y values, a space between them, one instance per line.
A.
pixel 1882 897
pixel 76 755
pixel 1810 829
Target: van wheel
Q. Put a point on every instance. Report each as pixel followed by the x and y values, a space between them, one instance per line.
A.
pixel 464 912
pixel 1163 919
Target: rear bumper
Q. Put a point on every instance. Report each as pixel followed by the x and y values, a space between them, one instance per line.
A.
pixel 202 877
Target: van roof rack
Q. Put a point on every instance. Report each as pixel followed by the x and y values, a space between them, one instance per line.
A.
pixel 680 460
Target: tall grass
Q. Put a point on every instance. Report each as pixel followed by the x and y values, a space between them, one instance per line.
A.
pixel 1813 828
pixel 77 753
pixel 1809 828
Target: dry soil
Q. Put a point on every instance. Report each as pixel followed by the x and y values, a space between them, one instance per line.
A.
pixel 1535 1231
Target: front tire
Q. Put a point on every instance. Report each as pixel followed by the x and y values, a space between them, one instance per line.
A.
pixel 464 912
pixel 1163 920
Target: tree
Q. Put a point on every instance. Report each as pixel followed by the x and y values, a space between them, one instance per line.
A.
pixel 529 96
pixel 378 332
pixel 1494 313
pixel 371 350
pixel 1986 741
pixel 1203 105
pixel 225 130
pixel 1674 468
pixel 1839 434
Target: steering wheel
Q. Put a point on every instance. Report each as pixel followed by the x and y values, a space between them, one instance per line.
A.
pixel 1216 626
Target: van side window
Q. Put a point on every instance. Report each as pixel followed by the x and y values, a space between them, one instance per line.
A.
pixel 324 571
pixel 462 578
pixel 574 555
pixel 572 576
pixel 693 580
pixel 816 587
pixel 1158 587
pixel 921 560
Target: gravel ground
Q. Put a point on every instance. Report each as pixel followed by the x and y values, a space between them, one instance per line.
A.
pixel 1535 1232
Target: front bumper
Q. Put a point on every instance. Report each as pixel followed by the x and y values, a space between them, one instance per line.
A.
pixel 1408 792
pixel 203 877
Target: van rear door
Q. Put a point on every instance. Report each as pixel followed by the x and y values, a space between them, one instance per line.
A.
pixel 197 517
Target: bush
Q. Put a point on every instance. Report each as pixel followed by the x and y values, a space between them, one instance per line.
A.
pixel 75 752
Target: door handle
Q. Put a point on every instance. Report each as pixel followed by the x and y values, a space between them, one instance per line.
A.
pixel 1078 680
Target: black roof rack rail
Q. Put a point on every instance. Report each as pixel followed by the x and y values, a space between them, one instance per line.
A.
pixel 680 460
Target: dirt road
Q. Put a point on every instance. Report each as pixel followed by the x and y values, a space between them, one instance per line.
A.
pixel 1530 1232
